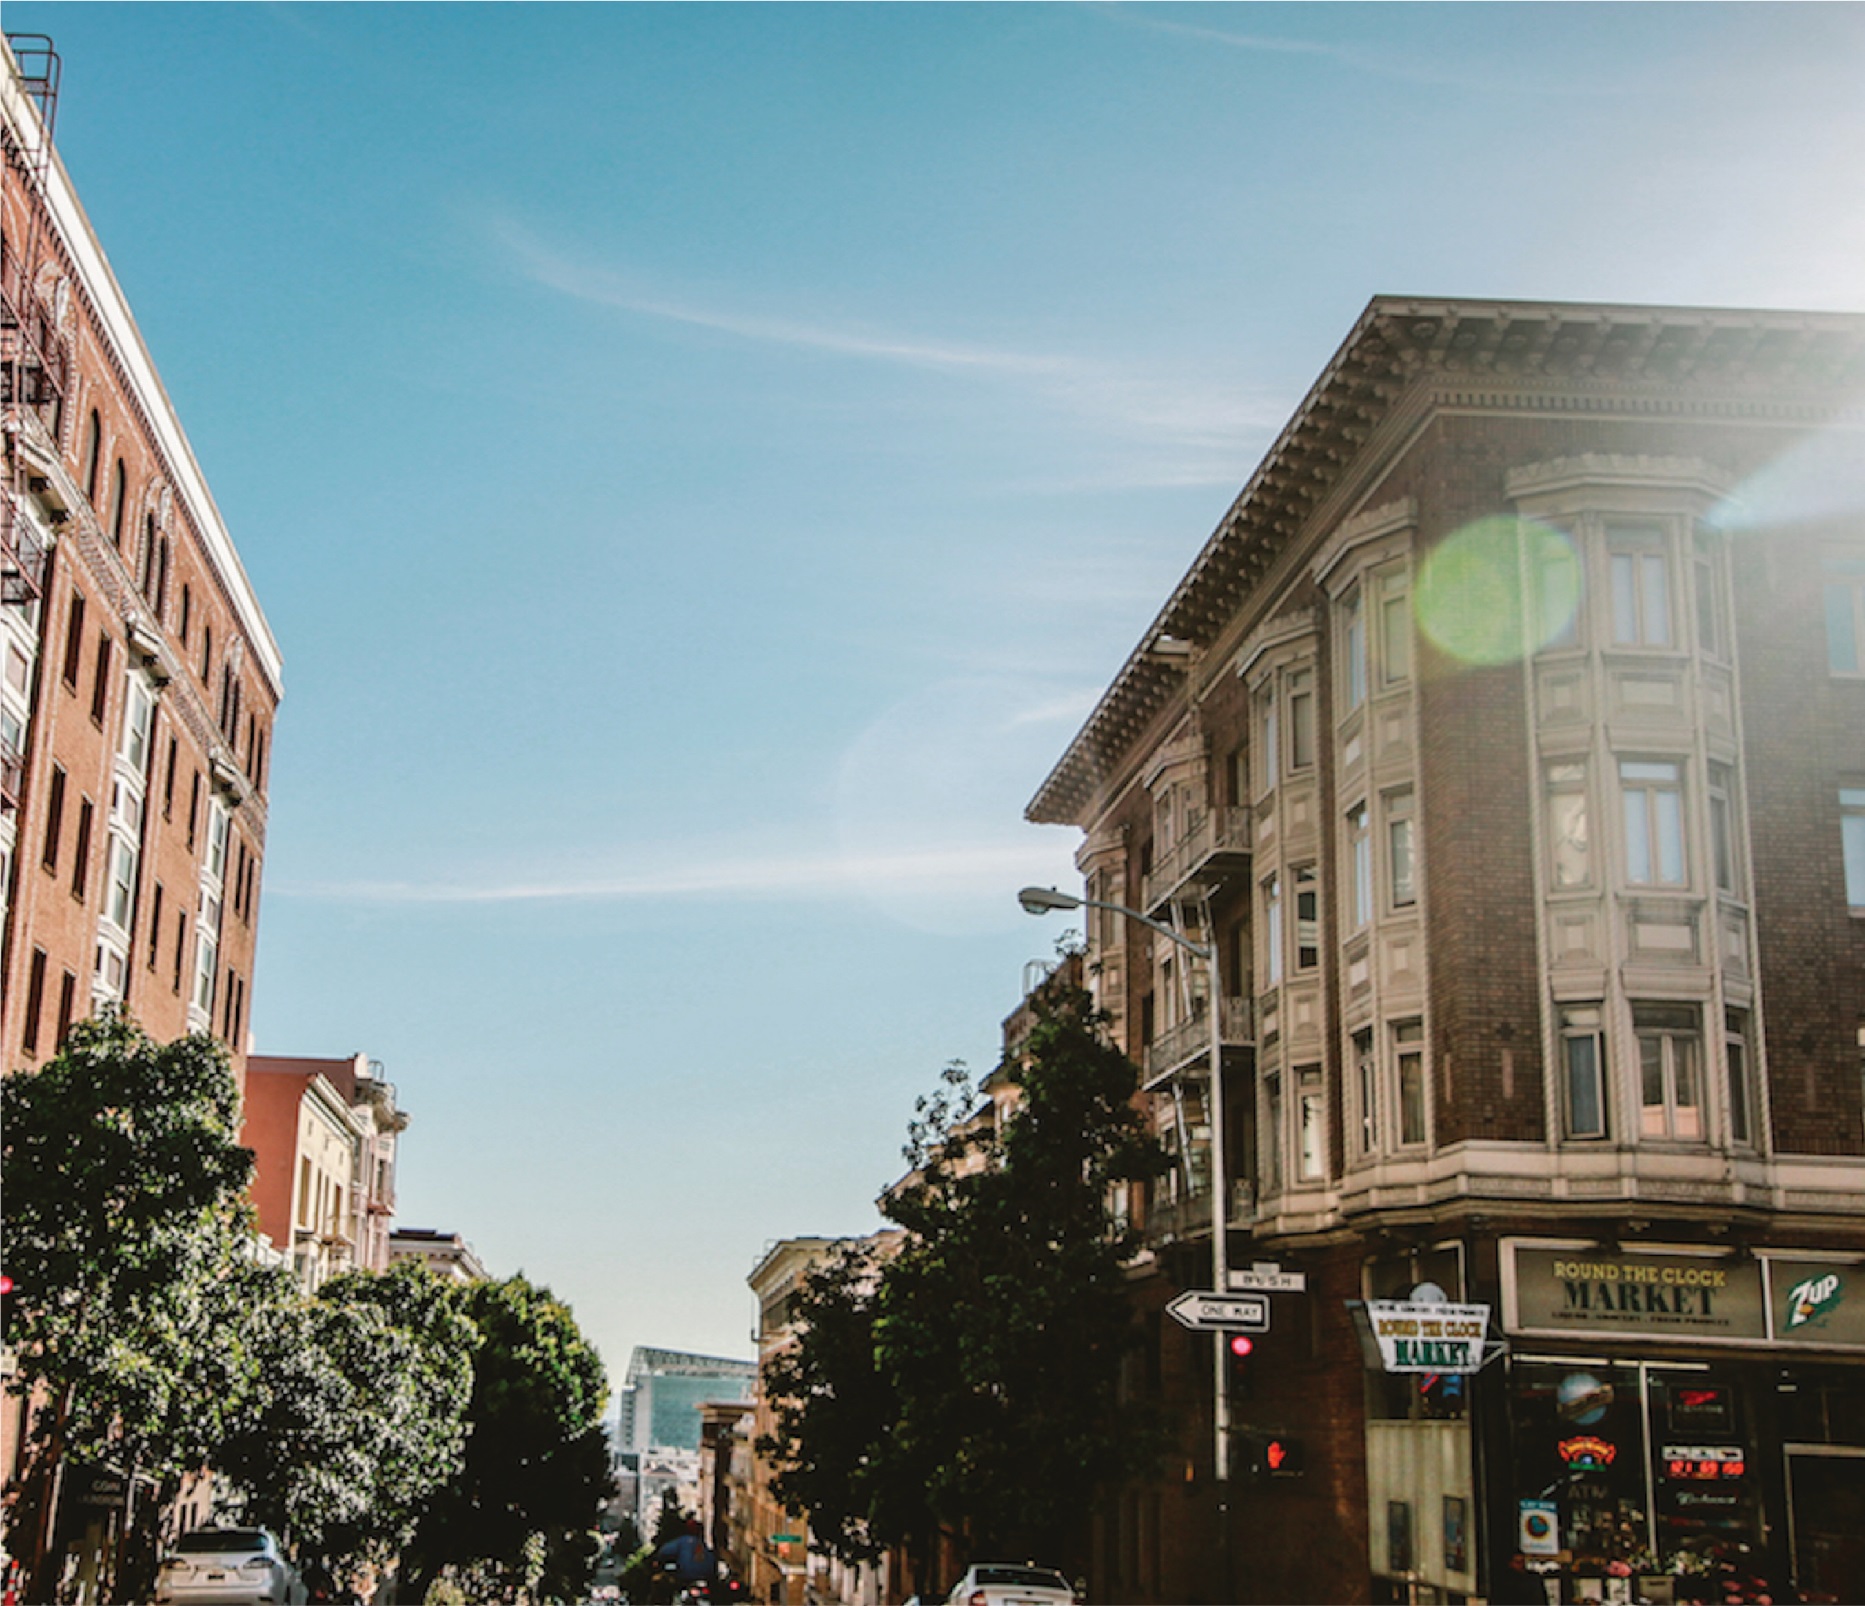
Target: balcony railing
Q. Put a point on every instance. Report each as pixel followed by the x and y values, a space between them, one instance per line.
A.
pixel 22 555
pixel 1189 1215
pixel 1213 839
pixel 1190 1040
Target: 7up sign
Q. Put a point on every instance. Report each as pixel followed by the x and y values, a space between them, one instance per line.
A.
pixel 1811 1298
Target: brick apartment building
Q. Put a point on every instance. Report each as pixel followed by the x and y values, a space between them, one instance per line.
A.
pixel 1507 738
pixel 140 678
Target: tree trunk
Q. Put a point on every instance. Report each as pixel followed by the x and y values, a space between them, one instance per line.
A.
pixel 49 1474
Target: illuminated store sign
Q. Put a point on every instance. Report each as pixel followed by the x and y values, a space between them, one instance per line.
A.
pixel 1588 1453
pixel 1705 1463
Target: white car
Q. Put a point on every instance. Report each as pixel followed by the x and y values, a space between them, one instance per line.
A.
pixel 227 1567
pixel 1009 1583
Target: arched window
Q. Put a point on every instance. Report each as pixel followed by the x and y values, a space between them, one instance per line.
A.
pixel 93 450
pixel 119 488
pixel 161 577
pixel 146 575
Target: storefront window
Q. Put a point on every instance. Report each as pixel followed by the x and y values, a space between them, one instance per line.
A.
pixel 1649 1474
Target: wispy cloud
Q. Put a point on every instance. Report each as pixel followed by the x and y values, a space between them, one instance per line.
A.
pixel 1381 63
pixel 1194 418
pixel 953 868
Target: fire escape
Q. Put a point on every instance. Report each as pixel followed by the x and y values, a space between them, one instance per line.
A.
pixel 35 363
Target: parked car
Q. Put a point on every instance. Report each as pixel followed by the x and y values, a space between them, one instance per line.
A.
pixel 1006 1583
pixel 228 1567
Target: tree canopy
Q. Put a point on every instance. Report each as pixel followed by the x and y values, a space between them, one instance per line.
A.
pixel 522 1509
pixel 970 1382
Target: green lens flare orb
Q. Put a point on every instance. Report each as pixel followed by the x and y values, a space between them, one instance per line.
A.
pixel 1470 600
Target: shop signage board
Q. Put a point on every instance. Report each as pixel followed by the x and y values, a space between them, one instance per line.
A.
pixel 1598 1292
pixel 1817 1302
pixel 1538 1528
pixel 1428 1336
pixel 1205 1311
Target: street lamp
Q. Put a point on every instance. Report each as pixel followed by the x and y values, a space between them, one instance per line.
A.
pixel 1046 900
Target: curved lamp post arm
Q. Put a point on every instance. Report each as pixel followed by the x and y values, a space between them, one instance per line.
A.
pixel 1046 900
pixel 1042 900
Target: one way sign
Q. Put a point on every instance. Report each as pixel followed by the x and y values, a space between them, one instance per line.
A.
pixel 1205 1311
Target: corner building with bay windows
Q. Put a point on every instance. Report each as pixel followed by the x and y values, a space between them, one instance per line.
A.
pixel 1507 739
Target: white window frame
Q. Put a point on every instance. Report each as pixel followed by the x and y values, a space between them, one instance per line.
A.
pixel 1273 1119
pixel 1353 648
pixel 1305 879
pixel 1299 685
pixel 1670 1063
pixel 1272 929
pixel 1739 1077
pixel 1395 655
pixel 1407 1038
pixel 1363 1053
pixel 1400 808
pixel 1657 849
pixel 1844 594
pixel 1360 859
pixel 1570 833
pixel 1852 844
pixel 1560 588
pixel 1582 1051
pixel 1725 830
pixel 1310 1111
pixel 1641 586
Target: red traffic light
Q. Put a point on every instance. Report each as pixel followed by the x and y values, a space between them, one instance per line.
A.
pixel 6 1284
pixel 1241 1344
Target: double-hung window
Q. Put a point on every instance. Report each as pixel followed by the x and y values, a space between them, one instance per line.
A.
pixel 1555 565
pixel 1845 615
pixel 1570 848
pixel 1670 1073
pixel 1736 1059
pixel 1272 929
pixel 1583 1080
pixel 1654 822
pixel 1353 648
pixel 1712 637
pixel 1307 917
pixel 1408 1050
pixel 1274 1135
pixel 1366 1089
pixel 1401 849
pixel 1724 838
pixel 1360 856
pixel 1301 686
pixel 1640 567
pixel 1311 1133
pixel 1395 629
pixel 1852 842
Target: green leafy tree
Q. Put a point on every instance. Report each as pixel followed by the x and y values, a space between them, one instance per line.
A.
pixel 126 1236
pixel 358 1415
pixel 521 1513
pixel 970 1385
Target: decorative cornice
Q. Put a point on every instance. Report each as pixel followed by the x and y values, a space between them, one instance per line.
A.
pixel 1413 356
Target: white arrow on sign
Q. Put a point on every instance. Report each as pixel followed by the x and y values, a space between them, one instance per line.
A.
pixel 1203 1310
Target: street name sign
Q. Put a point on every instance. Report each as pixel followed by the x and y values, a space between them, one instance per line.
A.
pixel 1270 1280
pixel 1205 1310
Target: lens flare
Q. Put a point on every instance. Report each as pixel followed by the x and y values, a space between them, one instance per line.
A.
pixel 1470 601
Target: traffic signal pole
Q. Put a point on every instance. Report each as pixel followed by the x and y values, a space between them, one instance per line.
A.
pixel 1220 1259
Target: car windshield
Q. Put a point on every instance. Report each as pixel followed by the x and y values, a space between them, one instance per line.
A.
pixel 1031 1577
pixel 220 1540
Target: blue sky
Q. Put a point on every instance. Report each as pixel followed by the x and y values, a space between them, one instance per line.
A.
pixel 701 463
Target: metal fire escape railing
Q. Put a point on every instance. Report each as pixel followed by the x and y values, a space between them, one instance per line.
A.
pixel 35 363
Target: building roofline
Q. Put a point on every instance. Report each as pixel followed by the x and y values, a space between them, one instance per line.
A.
pixel 1399 347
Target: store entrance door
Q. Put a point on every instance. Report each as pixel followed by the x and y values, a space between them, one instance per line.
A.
pixel 1826 1504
